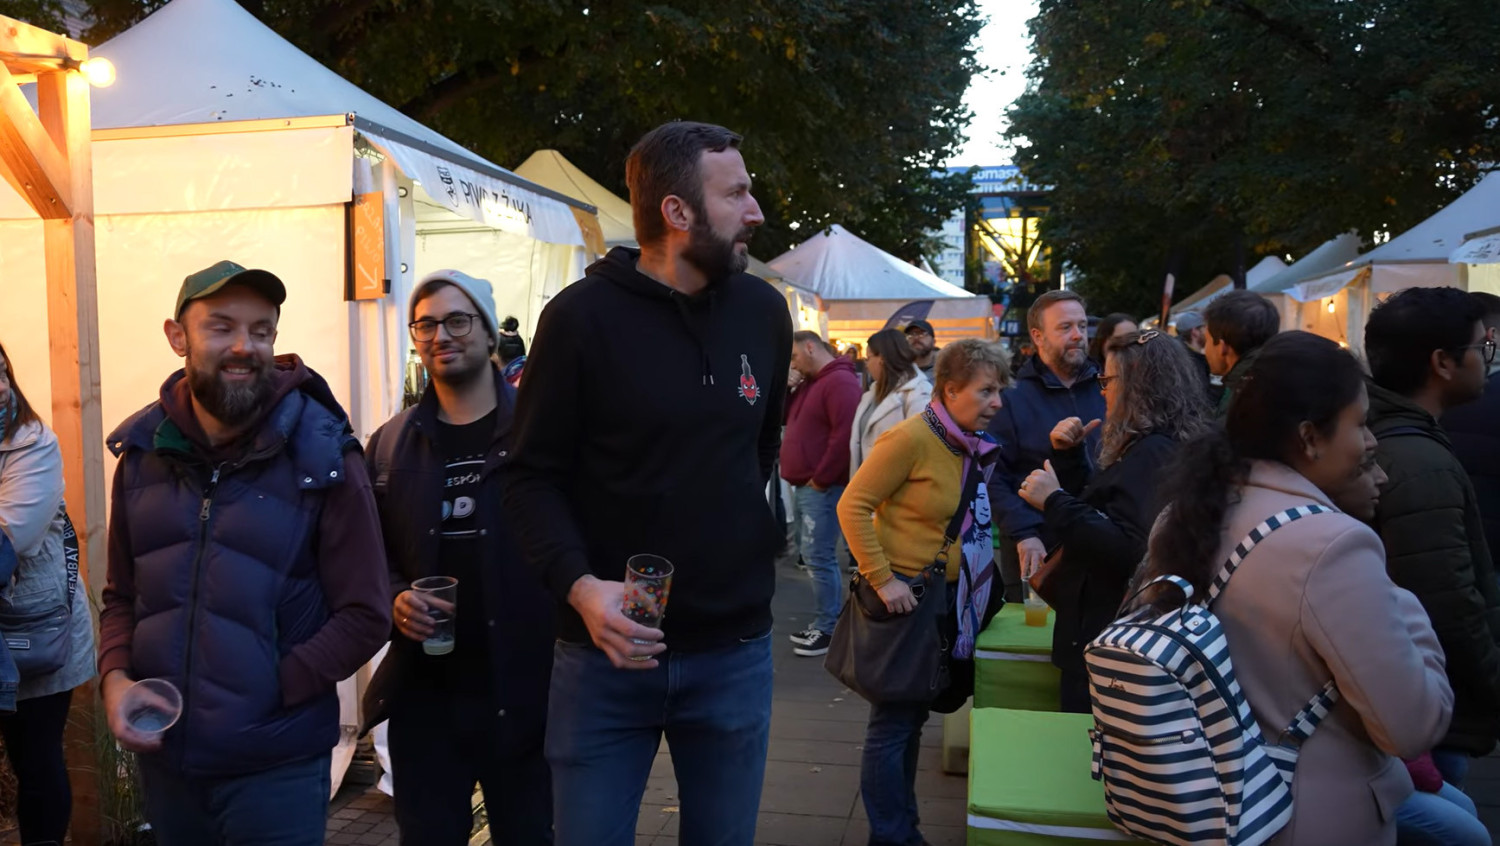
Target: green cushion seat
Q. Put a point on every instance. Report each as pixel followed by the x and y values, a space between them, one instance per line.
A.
pixel 1029 781
pixel 1013 663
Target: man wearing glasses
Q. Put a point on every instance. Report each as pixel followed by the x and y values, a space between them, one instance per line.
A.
pixel 1429 350
pixel 476 713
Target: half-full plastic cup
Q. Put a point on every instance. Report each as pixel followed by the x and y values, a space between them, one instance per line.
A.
pixel 152 706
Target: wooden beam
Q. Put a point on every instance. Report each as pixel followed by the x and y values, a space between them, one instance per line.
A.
pixel 33 163
pixel 73 332
pixel 25 40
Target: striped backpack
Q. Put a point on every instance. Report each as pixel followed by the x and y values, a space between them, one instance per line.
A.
pixel 1180 754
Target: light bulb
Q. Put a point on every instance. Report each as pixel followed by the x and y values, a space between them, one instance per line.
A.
pixel 1331 307
pixel 99 71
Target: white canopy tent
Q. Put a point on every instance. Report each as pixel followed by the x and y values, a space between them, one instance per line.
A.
pixel 551 169
pixel 221 140
pixel 1329 255
pixel 1480 251
pixel 1418 257
pixel 862 286
pixel 1199 299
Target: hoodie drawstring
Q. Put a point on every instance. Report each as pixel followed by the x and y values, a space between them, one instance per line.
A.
pixel 694 330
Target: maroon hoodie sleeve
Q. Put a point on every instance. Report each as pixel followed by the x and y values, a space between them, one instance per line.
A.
pixel 840 402
pixel 117 618
pixel 352 569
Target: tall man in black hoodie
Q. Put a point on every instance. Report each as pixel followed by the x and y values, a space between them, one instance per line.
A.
pixel 614 458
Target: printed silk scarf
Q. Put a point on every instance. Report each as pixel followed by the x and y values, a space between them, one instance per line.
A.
pixel 977 575
pixel 7 415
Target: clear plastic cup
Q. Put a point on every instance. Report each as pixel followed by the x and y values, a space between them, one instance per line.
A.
pixel 444 589
pixel 648 582
pixel 152 706
pixel 1036 609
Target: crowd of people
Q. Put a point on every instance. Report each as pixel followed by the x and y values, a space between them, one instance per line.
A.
pixel 258 554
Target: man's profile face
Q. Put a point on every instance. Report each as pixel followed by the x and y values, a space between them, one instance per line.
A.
pixel 1214 350
pixel 719 238
pixel 229 342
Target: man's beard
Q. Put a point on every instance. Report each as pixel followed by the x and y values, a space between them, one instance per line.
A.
pixel 1069 361
pixel 714 257
pixel 461 373
pixel 232 405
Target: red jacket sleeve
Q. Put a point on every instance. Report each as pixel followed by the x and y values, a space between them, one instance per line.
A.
pixel 840 402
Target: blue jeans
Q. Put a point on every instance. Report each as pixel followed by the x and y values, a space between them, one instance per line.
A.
pixel 819 539
pixel 282 806
pixel 1445 818
pixel 888 772
pixel 604 726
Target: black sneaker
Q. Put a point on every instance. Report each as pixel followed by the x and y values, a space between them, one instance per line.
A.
pixel 804 637
pixel 817 645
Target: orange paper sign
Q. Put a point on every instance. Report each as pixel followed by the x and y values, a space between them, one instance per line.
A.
pixel 367 280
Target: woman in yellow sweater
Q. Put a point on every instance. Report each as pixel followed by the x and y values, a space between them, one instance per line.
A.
pixel 893 514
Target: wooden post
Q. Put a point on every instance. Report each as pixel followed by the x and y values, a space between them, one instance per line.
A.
pixel 73 329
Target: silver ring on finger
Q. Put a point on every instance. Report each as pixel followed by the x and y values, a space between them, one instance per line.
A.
pixel 639 657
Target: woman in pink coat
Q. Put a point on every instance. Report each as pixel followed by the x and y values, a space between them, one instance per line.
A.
pixel 1312 601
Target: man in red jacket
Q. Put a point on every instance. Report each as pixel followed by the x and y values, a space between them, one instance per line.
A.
pixel 815 462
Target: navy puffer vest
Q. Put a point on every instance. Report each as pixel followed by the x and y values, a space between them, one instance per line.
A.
pixel 226 581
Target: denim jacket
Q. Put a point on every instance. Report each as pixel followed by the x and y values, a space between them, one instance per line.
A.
pixel 9 678
pixel 34 521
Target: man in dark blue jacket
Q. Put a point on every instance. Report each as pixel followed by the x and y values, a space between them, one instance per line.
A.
pixel 477 712
pixel 245 567
pixel 1058 383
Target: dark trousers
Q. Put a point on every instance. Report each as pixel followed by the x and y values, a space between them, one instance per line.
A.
pixel 286 805
pixel 441 745
pixel 34 744
pixel 1074 691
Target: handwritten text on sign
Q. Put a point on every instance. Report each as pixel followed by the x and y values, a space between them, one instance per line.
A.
pixel 367 247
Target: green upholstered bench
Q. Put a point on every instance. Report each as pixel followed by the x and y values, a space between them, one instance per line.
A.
pixel 1029 781
pixel 1013 663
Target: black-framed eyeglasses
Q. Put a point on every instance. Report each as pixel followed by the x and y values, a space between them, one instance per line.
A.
pixel 458 325
pixel 1486 349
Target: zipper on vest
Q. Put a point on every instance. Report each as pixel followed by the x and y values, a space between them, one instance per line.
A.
pixel 208 498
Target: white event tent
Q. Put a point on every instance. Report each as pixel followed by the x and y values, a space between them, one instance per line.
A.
pixel 862 286
pixel 221 140
pixel 1330 255
pixel 551 169
pixel 1419 257
pixel 1199 299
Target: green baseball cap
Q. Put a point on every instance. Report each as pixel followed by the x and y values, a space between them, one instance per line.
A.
pixel 211 280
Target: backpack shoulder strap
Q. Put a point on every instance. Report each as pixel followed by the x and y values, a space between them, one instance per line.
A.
pixel 1258 534
pixel 385 451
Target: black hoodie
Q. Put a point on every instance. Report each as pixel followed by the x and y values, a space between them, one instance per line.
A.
pixel 649 421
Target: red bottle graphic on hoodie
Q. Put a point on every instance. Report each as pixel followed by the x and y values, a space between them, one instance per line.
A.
pixel 748 389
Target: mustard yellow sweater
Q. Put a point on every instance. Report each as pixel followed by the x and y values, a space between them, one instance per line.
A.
pixel 896 507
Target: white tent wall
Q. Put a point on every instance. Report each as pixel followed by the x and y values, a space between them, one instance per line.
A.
pixel 854 321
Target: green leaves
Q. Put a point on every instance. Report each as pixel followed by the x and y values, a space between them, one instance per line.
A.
pixel 1184 127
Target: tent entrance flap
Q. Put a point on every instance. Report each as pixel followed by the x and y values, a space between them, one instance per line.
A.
pixel 478 196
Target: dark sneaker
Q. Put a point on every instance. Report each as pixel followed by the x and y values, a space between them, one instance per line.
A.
pixel 818 645
pixel 805 637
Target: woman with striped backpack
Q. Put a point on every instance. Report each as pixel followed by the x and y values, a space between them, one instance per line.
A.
pixel 1267 679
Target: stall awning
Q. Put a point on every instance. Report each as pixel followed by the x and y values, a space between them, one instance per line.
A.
pixel 1482 250
pixel 1326 286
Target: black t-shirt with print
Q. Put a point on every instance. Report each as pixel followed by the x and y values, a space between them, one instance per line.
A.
pixel 466 668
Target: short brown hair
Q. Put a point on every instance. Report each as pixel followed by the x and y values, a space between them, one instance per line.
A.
pixel 1242 319
pixel 666 161
pixel 958 362
pixel 803 336
pixel 1046 301
pixel 24 413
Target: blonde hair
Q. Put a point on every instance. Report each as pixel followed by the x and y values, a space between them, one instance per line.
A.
pixel 960 360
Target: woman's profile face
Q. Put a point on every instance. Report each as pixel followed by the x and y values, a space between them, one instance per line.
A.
pixel 875 364
pixel 1339 463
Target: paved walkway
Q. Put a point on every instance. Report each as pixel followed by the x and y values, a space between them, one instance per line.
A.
pixel 811 795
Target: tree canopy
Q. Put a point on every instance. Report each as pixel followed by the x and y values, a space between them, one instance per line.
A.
pixel 847 106
pixel 1171 130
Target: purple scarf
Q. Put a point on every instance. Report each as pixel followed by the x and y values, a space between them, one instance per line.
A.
pixel 977 575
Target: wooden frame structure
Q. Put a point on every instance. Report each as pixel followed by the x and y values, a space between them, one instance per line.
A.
pixel 44 155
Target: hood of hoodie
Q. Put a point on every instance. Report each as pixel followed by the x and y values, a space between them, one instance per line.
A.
pixel 288 374
pixel 1390 410
pixel 1034 368
pixel 619 266
pixel 838 363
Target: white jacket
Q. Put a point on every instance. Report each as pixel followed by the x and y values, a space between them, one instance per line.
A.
pixel 905 402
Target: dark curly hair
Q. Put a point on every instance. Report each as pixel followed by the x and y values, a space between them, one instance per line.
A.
pixel 1295 378
pixel 1160 391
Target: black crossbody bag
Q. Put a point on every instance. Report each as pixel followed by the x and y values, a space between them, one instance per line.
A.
pixel 887 657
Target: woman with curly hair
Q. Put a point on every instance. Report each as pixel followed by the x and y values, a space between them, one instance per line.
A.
pixel 1153 403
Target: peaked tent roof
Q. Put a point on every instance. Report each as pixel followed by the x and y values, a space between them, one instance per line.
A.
pixel 1329 255
pixel 205 61
pixel 1430 242
pixel 551 169
pixel 1263 269
pixel 838 265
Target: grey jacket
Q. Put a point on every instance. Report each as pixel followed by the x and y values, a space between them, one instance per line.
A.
pixel 1311 602
pixel 32 516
